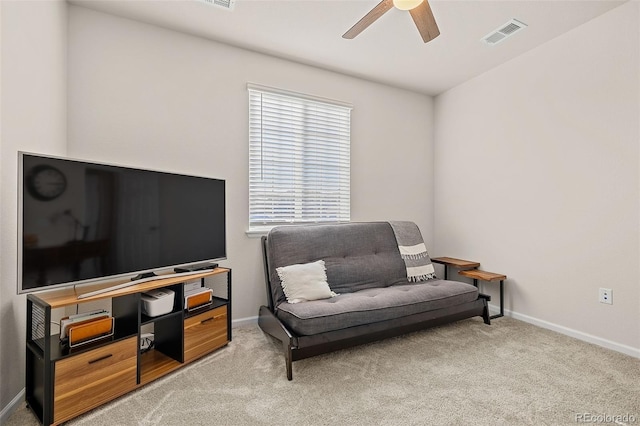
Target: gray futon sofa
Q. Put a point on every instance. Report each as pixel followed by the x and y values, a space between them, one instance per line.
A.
pixel 375 299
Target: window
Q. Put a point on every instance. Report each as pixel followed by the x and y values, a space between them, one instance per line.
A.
pixel 299 159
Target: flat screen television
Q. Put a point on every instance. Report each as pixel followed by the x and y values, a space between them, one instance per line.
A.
pixel 81 222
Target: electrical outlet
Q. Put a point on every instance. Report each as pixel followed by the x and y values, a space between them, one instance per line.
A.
pixel 606 296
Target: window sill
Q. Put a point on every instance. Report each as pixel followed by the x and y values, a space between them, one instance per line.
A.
pixel 258 232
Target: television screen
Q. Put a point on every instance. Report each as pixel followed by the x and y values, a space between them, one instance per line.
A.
pixel 81 222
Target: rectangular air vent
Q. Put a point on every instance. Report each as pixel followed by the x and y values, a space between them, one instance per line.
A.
pixel 504 31
pixel 224 4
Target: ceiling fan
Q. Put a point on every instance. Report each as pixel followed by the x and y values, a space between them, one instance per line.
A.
pixel 420 12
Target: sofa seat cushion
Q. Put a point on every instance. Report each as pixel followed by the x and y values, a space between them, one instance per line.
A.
pixel 373 305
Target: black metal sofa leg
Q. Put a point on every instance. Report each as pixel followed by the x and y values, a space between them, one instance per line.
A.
pixel 287 360
pixel 485 315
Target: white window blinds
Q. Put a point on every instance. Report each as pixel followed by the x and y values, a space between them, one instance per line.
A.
pixel 299 159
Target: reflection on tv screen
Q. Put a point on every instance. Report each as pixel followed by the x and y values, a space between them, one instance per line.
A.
pixel 83 221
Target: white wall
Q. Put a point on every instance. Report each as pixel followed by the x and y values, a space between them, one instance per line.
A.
pixel 537 177
pixel 545 148
pixel 145 96
pixel 173 102
pixel 2 402
pixel 33 80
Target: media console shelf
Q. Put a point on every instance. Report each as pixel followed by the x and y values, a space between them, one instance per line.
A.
pixel 62 383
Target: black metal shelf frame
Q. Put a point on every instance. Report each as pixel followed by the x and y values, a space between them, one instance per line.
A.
pixel 44 349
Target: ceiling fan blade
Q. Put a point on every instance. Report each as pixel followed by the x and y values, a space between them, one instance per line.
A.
pixel 426 23
pixel 369 18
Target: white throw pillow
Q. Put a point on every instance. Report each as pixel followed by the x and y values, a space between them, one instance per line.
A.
pixel 304 282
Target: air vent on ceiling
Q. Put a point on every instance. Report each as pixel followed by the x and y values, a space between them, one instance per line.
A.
pixel 504 31
pixel 224 4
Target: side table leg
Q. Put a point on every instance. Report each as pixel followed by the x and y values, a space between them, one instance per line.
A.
pixel 501 298
pixel 501 314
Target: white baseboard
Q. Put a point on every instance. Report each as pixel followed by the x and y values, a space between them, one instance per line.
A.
pixel 627 350
pixel 15 402
pixel 11 407
pixel 241 322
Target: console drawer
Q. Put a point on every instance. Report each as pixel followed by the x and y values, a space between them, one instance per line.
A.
pixel 89 379
pixel 205 332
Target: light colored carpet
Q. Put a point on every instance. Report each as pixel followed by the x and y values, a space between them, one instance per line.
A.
pixel 467 373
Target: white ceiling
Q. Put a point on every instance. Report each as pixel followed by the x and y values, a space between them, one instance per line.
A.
pixel 390 51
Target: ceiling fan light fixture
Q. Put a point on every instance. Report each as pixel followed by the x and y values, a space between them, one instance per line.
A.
pixel 419 10
pixel 406 4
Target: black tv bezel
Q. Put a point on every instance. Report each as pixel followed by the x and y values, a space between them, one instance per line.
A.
pixel 116 278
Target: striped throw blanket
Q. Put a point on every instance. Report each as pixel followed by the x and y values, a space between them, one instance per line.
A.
pixel 413 251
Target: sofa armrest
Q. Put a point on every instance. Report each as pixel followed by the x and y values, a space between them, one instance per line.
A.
pixel 270 324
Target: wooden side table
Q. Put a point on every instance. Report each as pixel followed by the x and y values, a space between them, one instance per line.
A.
pixel 477 274
pixel 456 263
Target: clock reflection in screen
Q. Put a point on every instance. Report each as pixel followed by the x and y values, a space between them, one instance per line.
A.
pixel 46 183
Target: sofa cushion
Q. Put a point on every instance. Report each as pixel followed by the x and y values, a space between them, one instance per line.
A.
pixel 304 282
pixel 357 256
pixel 373 305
